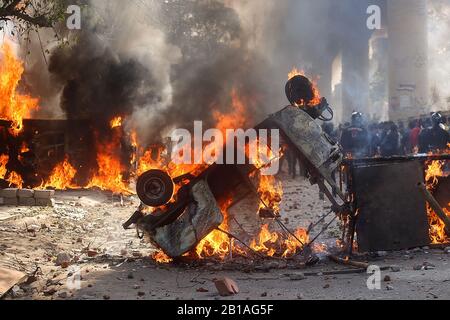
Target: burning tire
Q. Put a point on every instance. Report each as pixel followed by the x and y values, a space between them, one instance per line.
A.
pixel 155 188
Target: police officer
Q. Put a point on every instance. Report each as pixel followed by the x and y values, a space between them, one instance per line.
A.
pixel 434 138
pixel 355 139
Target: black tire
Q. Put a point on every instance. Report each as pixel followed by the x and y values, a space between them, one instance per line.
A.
pixel 155 188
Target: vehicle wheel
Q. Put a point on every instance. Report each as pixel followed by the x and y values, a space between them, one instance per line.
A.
pixel 155 188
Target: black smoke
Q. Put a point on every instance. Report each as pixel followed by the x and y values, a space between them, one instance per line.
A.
pixel 98 83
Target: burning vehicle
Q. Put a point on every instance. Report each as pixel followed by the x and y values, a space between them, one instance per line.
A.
pixel 184 208
pixel 194 211
pixel 202 149
pixel 189 208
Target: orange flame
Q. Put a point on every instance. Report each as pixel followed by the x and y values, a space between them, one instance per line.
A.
pixel 316 93
pixel 270 190
pixel 110 171
pixel 293 245
pixel 273 243
pixel 437 226
pixel 134 139
pixel 216 243
pixel 265 241
pixel 14 106
pixel 15 179
pixel 116 122
pixel 154 159
pixel 3 162
pixel 433 172
pixel 161 257
pixel 151 160
pixel 295 72
pixel 24 148
pixel 62 177
pixel 236 118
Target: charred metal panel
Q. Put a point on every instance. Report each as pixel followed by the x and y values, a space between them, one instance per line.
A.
pixel 309 139
pixel 199 218
pixel 392 212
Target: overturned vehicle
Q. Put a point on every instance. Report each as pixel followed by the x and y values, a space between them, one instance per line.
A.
pixel 181 220
pixel 363 192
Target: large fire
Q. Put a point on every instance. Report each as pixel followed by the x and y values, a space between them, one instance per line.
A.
pixel 110 172
pixel 217 243
pixel 236 118
pixel 275 244
pixel 61 177
pixel 271 193
pixel 14 106
pixel 270 190
pixel 109 175
pixel 435 170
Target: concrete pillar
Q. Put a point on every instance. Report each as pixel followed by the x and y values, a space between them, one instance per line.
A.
pixel 355 77
pixel 408 58
pixel 336 87
pixel 324 79
pixel 379 75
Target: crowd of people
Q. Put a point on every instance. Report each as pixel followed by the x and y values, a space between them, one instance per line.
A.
pixel 384 139
pixel 387 139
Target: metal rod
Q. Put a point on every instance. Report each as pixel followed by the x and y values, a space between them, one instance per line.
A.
pixel 320 220
pixel 435 206
pixel 234 237
pixel 365 161
pixel 322 231
pixel 288 231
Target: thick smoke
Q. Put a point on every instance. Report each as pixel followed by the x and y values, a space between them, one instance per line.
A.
pixel 159 64
pixel 116 65
pixel 165 64
pixel 218 58
pixel 439 54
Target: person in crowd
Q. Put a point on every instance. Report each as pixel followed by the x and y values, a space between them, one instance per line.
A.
pixel 355 138
pixel 404 138
pixel 414 132
pixel 445 123
pixel 390 144
pixel 375 140
pixel 434 138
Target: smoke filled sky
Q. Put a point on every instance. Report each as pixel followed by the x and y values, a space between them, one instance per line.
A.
pixel 164 64
pixel 439 43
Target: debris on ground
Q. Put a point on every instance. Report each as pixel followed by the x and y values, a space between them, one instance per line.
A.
pixel 226 287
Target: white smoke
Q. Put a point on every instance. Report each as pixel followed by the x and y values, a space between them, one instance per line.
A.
pixel 439 53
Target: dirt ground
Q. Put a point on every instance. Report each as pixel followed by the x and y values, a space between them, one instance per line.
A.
pixel 112 263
